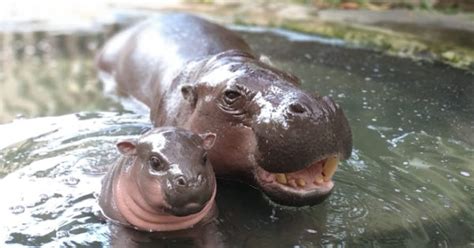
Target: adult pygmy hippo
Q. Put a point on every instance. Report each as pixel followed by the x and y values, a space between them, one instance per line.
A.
pixel 200 76
pixel 164 181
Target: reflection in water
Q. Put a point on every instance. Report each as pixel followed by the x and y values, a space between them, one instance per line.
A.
pixel 56 174
pixel 409 181
pixel 48 74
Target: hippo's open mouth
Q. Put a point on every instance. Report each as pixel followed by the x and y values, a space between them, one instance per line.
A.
pixel 307 186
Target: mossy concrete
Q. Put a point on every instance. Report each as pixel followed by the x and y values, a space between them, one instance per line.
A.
pixel 408 33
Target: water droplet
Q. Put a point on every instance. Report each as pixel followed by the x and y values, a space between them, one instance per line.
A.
pixel 61 234
pixel 273 216
pixel 114 130
pixel 86 210
pixel 465 173
pixel 43 197
pixel 17 209
pixel 40 174
pixel 71 181
pixel 144 130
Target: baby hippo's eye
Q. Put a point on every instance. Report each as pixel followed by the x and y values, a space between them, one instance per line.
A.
pixel 155 163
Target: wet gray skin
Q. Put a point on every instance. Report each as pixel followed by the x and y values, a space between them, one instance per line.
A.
pixel 408 183
pixel 162 178
pixel 195 74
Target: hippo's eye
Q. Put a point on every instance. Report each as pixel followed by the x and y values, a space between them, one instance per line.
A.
pixel 231 96
pixel 155 163
pixel 204 158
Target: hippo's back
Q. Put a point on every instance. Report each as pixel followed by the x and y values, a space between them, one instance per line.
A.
pixel 149 54
pixel 192 37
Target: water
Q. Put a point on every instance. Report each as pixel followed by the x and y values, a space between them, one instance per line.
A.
pixel 409 182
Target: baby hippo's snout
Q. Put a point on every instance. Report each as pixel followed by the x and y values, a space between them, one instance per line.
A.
pixel 183 184
pixel 190 194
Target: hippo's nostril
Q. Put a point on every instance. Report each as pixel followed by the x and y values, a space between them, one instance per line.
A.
pixel 331 104
pixel 180 181
pixel 297 108
pixel 199 179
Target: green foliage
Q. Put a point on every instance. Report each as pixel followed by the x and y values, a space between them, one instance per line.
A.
pixel 426 5
pixel 333 3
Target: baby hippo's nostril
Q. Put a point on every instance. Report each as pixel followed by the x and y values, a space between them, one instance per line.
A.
pixel 180 181
pixel 297 108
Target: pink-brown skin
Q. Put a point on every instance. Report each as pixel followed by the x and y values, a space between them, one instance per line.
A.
pixel 163 181
pixel 200 76
pixel 204 235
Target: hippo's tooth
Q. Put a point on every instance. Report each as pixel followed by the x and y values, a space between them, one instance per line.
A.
pixel 301 182
pixel 330 168
pixel 281 178
pixel 292 183
pixel 319 179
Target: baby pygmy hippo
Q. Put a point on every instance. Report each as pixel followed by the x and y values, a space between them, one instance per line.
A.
pixel 163 181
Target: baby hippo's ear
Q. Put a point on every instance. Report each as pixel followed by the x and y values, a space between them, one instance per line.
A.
pixel 208 140
pixel 127 147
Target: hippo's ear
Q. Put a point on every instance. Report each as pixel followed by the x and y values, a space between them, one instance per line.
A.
pixel 189 93
pixel 208 140
pixel 127 147
pixel 265 59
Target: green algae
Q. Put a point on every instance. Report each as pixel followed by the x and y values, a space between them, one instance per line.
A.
pixel 390 42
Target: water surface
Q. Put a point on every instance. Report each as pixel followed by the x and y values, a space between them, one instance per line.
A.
pixel 408 183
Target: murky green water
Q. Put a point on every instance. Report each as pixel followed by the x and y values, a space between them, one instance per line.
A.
pixel 409 182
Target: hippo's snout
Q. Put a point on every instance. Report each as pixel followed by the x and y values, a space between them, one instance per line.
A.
pixel 297 108
pixel 301 131
pixel 300 140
